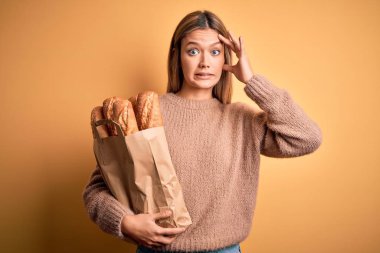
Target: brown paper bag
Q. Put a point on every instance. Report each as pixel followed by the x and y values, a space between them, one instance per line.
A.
pixel 139 172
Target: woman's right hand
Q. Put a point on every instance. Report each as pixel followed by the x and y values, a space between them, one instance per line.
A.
pixel 143 229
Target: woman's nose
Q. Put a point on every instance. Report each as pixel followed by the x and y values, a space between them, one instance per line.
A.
pixel 204 63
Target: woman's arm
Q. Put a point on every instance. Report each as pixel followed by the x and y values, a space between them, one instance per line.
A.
pixel 113 217
pixel 102 207
pixel 286 131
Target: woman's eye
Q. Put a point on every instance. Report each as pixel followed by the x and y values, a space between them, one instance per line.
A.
pixel 193 49
pixel 218 51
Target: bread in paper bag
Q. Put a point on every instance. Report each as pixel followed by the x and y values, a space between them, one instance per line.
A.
pixel 136 163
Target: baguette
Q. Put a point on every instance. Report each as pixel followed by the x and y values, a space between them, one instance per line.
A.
pixel 108 112
pixel 97 114
pixel 124 115
pixel 147 110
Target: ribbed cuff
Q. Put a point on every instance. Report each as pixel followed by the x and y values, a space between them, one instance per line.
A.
pixel 112 219
pixel 117 218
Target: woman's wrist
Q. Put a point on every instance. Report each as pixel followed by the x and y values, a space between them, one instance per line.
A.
pixel 124 223
pixel 249 79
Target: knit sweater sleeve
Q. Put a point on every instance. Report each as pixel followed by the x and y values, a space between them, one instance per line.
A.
pixel 103 208
pixel 287 131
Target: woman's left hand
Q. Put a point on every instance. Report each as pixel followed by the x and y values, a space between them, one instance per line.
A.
pixel 242 69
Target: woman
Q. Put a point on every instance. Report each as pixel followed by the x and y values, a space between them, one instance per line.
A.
pixel 215 145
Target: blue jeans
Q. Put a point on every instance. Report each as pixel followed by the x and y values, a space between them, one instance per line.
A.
pixel 231 249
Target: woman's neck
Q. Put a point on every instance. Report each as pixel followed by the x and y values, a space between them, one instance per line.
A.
pixel 196 94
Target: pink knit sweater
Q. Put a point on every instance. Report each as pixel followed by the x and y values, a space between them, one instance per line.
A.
pixel 215 149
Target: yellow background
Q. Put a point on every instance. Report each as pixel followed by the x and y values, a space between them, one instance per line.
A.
pixel 59 59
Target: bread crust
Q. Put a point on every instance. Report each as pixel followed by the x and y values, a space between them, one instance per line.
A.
pixel 124 115
pixel 147 110
pixel 97 114
pixel 108 112
pixel 139 112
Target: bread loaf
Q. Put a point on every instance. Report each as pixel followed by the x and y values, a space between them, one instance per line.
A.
pixel 108 112
pixel 124 115
pixel 139 112
pixel 97 114
pixel 147 110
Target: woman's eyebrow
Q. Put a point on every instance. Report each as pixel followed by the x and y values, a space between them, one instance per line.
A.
pixel 196 43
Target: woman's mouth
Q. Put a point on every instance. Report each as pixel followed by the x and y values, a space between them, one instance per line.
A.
pixel 204 76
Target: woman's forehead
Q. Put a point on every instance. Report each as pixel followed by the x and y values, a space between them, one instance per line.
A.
pixel 206 37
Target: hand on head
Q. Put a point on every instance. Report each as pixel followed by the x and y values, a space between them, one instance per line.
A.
pixel 242 69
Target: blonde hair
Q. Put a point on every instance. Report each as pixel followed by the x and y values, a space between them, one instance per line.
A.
pixel 198 20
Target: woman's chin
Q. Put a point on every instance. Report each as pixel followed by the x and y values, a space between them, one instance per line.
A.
pixel 204 85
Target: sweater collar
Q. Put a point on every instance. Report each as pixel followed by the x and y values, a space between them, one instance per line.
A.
pixel 192 103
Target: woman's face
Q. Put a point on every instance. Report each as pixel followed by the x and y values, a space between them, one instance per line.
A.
pixel 202 52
